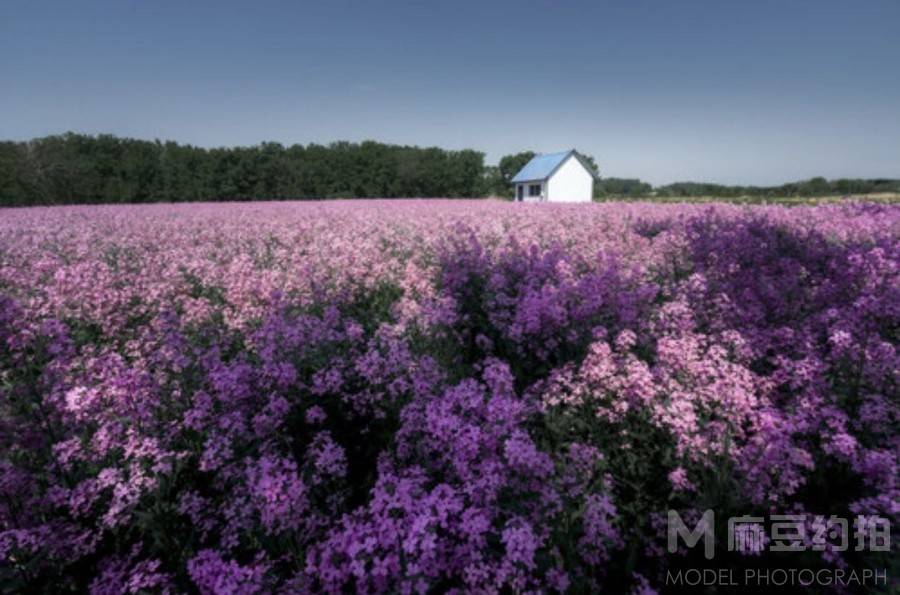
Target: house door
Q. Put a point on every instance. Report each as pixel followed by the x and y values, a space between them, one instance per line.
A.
pixel 521 192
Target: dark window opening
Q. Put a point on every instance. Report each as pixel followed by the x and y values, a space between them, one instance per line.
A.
pixel 534 190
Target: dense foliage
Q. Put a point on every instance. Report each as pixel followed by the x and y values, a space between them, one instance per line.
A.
pixel 621 187
pixel 813 187
pixel 75 168
pixel 430 396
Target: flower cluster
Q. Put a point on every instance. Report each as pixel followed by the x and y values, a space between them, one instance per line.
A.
pixel 435 396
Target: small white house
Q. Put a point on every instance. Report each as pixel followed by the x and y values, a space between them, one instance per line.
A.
pixel 555 177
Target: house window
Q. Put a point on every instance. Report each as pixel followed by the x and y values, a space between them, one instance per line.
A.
pixel 534 190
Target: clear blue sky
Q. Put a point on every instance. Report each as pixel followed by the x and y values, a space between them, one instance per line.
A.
pixel 735 92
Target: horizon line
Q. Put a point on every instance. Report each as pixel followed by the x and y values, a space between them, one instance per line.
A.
pixel 892 177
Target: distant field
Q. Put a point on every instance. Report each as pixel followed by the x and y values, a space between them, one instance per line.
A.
pixel 430 395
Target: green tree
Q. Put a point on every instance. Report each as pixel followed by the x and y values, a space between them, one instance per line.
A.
pixel 510 165
pixel 589 161
pixel 621 187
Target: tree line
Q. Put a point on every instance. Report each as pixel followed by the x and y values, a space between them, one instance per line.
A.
pixel 78 168
pixel 75 168
pixel 817 186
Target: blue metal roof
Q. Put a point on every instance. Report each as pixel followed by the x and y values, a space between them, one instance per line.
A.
pixel 541 166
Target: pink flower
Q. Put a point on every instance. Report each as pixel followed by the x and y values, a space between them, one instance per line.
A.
pixel 678 477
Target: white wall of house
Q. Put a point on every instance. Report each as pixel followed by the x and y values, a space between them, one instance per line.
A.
pixel 571 182
pixel 526 191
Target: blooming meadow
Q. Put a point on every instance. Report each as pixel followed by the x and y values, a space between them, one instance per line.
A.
pixel 412 396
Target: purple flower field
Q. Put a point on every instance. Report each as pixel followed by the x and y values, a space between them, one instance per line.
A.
pixel 438 396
